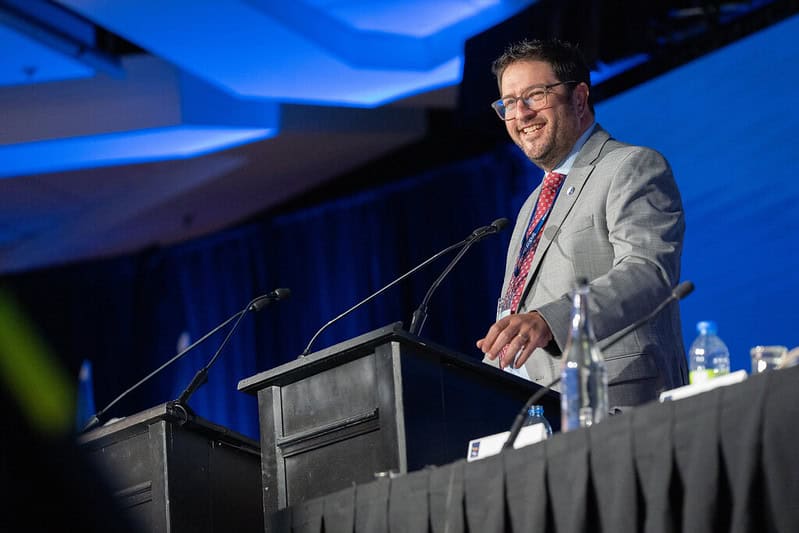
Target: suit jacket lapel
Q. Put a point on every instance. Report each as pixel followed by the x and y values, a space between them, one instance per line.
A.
pixel 581 170
pixel 522 221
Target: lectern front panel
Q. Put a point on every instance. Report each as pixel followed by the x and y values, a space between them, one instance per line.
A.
pixel 329 397
pixel 337 427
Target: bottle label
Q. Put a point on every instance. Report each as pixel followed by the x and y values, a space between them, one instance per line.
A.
pixel 700 376
pixel 531 434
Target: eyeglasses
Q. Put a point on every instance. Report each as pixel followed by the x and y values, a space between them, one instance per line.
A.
pixel 535 98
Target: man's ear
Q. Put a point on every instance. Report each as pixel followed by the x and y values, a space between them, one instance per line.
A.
pixel 580 96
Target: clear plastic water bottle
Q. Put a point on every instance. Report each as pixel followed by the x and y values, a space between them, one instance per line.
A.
pixel 708 356
pixel 535 415
pixel 584 379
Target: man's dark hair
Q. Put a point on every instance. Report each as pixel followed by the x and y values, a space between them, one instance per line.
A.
pixel 566 60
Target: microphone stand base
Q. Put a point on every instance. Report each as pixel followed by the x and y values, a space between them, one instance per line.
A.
pixel 181 411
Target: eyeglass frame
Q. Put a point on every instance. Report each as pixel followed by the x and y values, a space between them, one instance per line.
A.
pixel 547 88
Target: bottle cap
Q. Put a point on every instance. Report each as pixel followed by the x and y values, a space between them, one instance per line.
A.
pixel 535 410
pixel 707 327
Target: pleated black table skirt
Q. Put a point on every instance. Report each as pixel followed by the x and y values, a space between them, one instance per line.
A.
pixel 725 460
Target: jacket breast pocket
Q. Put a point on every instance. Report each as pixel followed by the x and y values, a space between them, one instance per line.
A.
pixel 585 245
pixel 572 234
pixel 576 225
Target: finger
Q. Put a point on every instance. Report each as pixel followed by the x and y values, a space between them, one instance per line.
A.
pixel 515 346
pixel 495 339
pixel 505 338
pixel 488 340
pixel 485 345
pixel 507 358
pixel 537 339
pixel 525 354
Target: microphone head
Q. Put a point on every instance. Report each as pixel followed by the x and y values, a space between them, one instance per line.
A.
pixel 683 289
pixel 281 293
pixel 500 224
pixel 274 296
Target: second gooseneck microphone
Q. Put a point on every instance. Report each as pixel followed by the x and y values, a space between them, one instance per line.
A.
pixel 254 306
pixel 475 236
pixel 201 377
pixel 420 315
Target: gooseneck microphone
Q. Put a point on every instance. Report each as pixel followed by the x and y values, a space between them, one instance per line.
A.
pixel 476 234
pixel 420 314
pixel 678 293
pixel 255 305
pixel 202 375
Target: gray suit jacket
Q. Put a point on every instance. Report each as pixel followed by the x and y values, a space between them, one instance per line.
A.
pixel 618 221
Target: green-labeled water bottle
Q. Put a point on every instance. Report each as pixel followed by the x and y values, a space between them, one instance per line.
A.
pixel 708 356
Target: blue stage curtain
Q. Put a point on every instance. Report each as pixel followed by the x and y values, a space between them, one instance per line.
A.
pixel 127 314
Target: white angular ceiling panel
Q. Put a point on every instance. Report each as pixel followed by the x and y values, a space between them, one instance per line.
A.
pixel 298 52
pixel 153 114
pixel 416 18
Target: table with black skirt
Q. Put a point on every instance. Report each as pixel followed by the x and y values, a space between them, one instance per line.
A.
pixel 724 460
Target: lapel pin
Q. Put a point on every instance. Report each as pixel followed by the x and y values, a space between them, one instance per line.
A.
pixel 570 191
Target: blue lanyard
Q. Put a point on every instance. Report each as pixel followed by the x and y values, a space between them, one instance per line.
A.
pixel 528 242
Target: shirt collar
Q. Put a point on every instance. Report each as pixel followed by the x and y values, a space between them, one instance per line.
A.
pixel 566 165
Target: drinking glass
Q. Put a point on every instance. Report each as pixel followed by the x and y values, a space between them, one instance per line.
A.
pixel 765 358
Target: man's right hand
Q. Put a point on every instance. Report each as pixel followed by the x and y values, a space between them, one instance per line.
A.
pixel 521 334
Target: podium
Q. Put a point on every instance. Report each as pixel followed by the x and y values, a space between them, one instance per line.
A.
pixel 174 471
pixel 382 403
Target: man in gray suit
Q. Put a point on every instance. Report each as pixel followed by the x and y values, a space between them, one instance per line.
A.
pixel 616 218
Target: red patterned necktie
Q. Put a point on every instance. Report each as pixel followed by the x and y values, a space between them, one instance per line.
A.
pixel 546 197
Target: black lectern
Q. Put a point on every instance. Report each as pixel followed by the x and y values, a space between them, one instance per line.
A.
pixel 384 402
pixel 173 471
